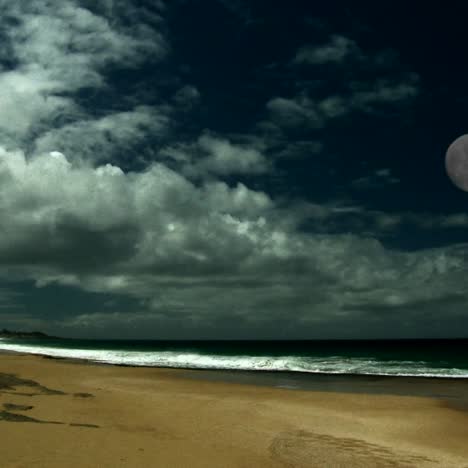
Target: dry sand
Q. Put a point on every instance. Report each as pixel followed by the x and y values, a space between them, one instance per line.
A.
pixel 56 413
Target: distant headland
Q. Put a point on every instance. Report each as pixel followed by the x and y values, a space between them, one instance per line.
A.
pixel 22 334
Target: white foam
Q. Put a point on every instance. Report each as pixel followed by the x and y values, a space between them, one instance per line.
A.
pixel 193 360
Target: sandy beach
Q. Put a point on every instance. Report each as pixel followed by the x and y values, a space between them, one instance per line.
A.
pixel 57 413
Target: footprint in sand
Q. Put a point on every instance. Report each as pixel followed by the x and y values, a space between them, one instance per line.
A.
pixel 308 449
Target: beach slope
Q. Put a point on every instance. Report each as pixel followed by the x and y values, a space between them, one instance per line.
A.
pixel 56 413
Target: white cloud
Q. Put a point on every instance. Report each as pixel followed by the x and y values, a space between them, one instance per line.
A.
pixel 26 100
pixel 214 155
pixel 296 112
pixel 113 135
pixel 209 252
pixel 147 215
pixel 73 45
pixel 58 48
pixel 224 157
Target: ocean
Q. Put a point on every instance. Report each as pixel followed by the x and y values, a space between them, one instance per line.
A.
pixel 425 358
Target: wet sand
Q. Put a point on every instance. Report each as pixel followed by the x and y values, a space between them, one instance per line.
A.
pixel 57 413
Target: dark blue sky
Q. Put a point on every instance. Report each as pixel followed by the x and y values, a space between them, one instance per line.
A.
pixel 232 169
pixel 247 49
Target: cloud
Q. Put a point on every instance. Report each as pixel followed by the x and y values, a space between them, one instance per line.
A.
pixel 224 157
pixel 336 50
pixel 420 230
pixel 380 179
pixel 294 112
pixel 187 97
pixel 55 49
pixel 73 45
pixel 214 155
pixel 111 136
pixel 305 111
pixel 28 94
pixel 368 86
pixel 146 216
pixel 207 253
pixel 384 91
pixel 300 149
pixel 195 251
pixel 302 111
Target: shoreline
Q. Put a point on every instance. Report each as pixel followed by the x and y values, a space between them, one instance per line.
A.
pixel 243 371
pixel 107 415
pixel 452 391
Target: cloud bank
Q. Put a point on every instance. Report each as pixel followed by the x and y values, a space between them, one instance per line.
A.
pixel 208 254
pixel 98 193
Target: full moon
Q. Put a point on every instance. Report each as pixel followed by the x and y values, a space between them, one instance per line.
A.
pixel 456 162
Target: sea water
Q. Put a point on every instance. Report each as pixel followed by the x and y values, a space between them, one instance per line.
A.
pixel 429 358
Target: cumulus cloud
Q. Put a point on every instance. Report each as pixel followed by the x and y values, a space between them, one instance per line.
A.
pixel 209 253
pixel 119 216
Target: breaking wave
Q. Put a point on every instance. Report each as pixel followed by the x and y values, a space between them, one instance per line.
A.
pixel 333 364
